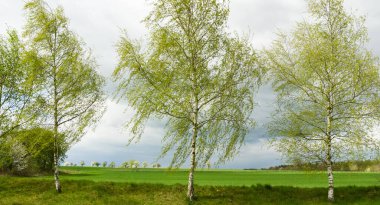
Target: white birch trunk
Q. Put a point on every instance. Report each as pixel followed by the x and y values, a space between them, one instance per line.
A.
pixel 330 194
pixel 56 143
pixel 56 174
pixel 190 187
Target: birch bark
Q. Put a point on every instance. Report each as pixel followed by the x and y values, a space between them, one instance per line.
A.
pixel 330 175
pixel 190 188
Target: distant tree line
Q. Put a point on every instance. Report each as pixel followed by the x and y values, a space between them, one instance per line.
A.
pixel 362 165
pixel 126 164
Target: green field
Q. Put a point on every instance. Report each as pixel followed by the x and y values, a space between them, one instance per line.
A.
pixel 220 177
pixel 89 185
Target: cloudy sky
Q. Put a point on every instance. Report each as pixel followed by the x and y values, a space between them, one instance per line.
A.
pixel 99 23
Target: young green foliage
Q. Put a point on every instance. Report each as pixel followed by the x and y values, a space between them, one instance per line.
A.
pixel 328 88
pixel 72 89
pixel 194 75
pixel 18 92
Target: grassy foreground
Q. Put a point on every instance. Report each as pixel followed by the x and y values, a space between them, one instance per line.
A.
pixel 87 185
pixel 31 191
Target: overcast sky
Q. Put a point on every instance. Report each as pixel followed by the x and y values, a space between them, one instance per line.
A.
pixel 99 23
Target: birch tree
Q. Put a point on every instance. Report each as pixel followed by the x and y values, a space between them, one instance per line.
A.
pixel 328 89
pixel 72 89
pixel 194 75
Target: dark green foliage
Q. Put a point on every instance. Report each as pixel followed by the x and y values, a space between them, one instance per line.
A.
pixel 365 165
pixel 30 151
pixel 32 191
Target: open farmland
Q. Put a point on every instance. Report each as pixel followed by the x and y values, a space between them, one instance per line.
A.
pixel 89 185
pixel 219 177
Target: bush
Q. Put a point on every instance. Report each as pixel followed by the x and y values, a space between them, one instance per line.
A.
pixel 112 165
pixel 124 164
pixel 95 164
pixel 28 152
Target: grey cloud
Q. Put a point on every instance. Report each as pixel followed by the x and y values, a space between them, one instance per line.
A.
pixel 262 18
pixel 255 155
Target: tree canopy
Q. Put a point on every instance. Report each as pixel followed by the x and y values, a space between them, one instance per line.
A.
pixel 328 88
pixel 195 75
pixel 19 99
pixel 71 87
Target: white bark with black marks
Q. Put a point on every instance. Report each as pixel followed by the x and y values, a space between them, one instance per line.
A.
pixel 190 188
pixel 56 175
pixel 330 194
pixel 329 119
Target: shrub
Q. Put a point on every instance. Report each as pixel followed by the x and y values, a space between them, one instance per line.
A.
pixel 112 165
pixel 95 164
pixel 124 164
pixel 26 152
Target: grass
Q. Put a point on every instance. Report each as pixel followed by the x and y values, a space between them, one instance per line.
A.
pixel 158 186
pixel 29 191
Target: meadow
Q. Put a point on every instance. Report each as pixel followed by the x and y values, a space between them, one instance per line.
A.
pixel 89 185
pixel 220 177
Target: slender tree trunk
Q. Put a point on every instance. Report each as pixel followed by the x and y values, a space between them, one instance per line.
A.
pixel 56 155
pixel 330 193
pixel 56 142
pixel 56 173
pixel 190 187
